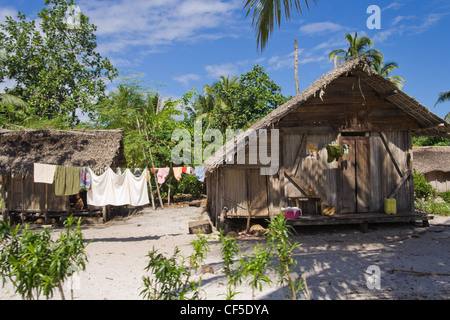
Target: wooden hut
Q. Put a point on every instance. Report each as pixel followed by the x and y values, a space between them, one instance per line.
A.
pixel 352 107
pixel 434 164
pixel 21 149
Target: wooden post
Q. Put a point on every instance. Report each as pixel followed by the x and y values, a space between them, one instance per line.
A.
pixel 46 204
pixel 22 214
pixel 249 210
pixel 4 193
pixel 145 157
pixel 297 88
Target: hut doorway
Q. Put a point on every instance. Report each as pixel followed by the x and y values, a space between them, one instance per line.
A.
pixel 355 168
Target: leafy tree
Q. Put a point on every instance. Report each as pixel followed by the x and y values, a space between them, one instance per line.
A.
pixel 236 103
pixel 267 13
pixel 54 64
pixel 255 97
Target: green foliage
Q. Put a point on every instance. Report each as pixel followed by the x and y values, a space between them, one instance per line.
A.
pixel 278 239
pixel 431 141
pixel 170 278
pixel 200 250
pixel 255 267
pixel 254 98
pixel 444 195
pixel 267 14
pixel 430 206
pixel 35 263
pixel 230 249
pixel 236 103
pixel 422 189
pixel 55 67
pixel 358 47
pixel 189 185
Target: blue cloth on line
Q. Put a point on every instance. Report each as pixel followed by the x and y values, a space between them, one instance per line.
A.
pixel 200 173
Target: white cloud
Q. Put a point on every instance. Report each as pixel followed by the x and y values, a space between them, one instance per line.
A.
pixel 429 21
pixel 394 5
pixel 224 69
pixel 286 61
pixel 7 12
pixel 186 78
pixel 401 18
pixel 150 24
pixel 321 27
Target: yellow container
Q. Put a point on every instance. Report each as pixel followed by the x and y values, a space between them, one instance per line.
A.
pixel 390 206
pixel 328 210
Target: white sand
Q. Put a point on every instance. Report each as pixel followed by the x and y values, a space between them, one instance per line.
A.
pixel 334 259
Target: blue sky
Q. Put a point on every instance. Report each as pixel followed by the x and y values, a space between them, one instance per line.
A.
pixel 183 44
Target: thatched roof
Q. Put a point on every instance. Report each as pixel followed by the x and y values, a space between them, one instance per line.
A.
pixel 97 149
pixel 429 123
pixel 428 159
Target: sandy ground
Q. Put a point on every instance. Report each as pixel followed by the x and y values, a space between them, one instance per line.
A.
pixel 334 259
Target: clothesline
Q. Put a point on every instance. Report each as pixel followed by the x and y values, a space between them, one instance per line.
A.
pixel 108 188
pixel 162 173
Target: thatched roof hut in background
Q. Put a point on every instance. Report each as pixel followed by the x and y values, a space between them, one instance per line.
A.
pixel 434 163
pixel 97 149
pixel 21 149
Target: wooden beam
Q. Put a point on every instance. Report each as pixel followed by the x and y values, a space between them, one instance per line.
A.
pixel 385 142
pixel 405 177
pixel 293 179
pixel 298 158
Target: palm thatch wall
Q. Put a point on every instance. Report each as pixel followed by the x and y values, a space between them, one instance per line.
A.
pixel 20 149
pixel 98 149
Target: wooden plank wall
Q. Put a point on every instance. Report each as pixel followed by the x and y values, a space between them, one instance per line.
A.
pixel 317 173
pixel 34 196
pixel 384 177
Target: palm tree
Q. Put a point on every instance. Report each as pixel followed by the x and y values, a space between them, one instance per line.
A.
pixel 268 12
pixel 220 96
pixel 444 96
pixel 358 47
pixel 385 69
pixel 9 99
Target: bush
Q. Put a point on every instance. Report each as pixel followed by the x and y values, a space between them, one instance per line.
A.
pixel 422 189
pixel 446 196
pixel 35 263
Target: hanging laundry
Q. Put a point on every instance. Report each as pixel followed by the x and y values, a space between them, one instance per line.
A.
pixel 186 170
pixel 118 190
pixel 44 173
pixel 334 153
pixel 200 173
pixel 177 171
pixel 162 174
pixel 67 180
pixel 85 183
